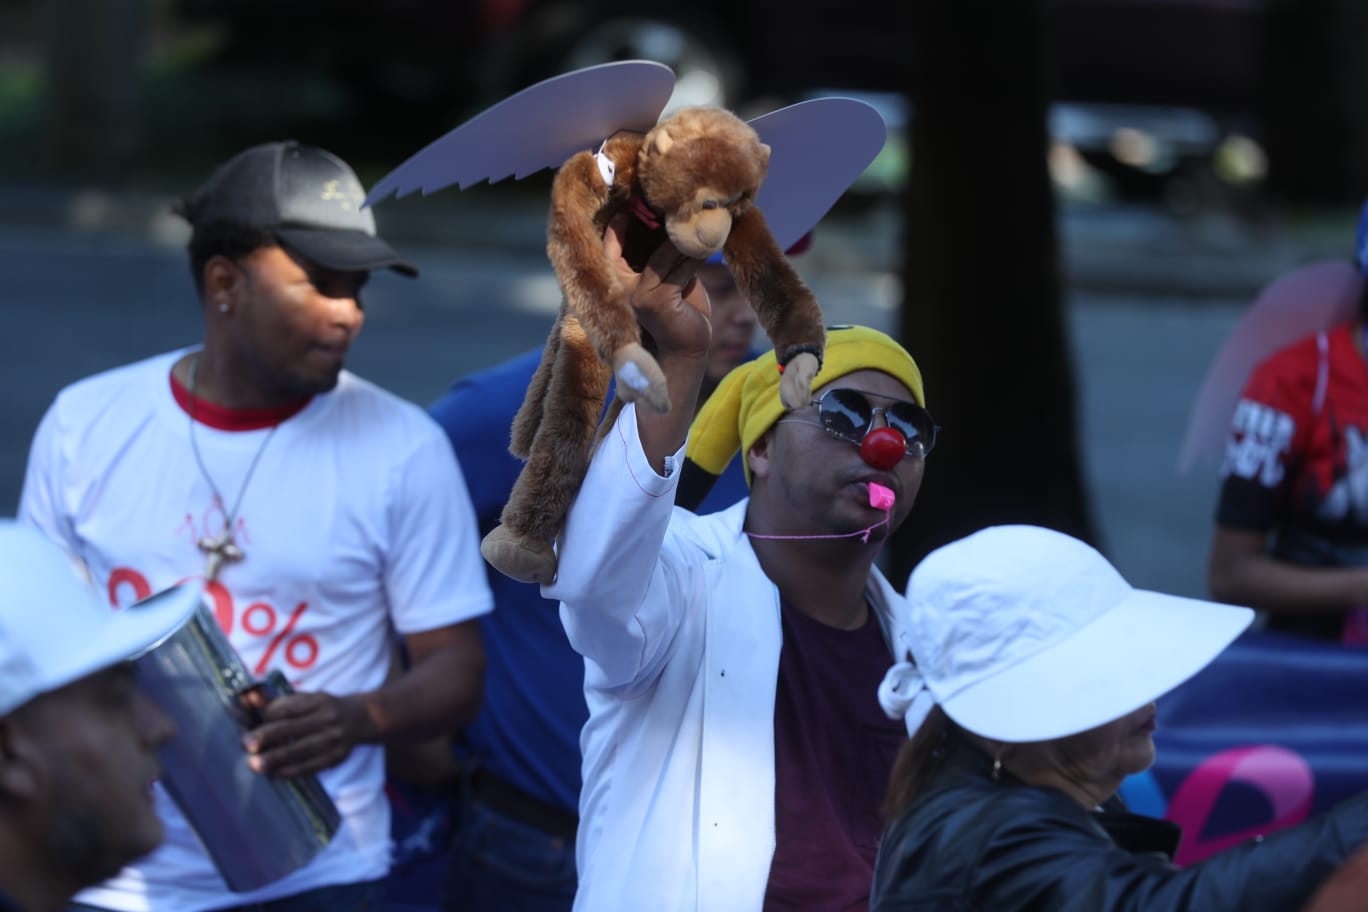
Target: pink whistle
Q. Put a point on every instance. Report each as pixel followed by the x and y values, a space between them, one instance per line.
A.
pixel 880 498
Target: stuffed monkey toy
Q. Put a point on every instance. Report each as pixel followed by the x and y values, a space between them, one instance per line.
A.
pixel 692 178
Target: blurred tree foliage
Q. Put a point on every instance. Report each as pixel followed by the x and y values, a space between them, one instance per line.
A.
pixel 94 55
pixel 154 92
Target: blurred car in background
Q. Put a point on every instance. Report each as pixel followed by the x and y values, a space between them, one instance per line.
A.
pixel 1157 99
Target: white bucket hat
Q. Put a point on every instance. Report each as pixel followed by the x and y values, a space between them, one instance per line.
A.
pixel 55 628
pixel 1021 633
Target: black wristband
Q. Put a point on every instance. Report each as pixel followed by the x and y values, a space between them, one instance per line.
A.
pixel 796 350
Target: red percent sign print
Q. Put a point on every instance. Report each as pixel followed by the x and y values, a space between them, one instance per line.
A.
pixel 303 642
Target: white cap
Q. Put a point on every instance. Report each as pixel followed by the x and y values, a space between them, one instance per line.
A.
pixel 55 628
pixel 1025 634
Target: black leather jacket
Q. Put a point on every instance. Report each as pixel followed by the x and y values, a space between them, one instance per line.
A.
pixel 970 843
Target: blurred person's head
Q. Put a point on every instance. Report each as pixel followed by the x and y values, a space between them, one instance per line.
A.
pixel 1030 645
pixel 78 739
pixel 733 324
pixel 280 249
pixel 733 319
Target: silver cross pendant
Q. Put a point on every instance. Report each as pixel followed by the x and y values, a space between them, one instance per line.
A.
pixel 221 550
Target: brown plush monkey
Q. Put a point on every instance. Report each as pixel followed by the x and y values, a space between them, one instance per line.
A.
pixel 693 177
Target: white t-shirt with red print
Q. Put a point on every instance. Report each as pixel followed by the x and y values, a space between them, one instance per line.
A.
pixel 355 523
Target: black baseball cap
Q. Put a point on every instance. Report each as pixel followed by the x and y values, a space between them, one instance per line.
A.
pixel 308 198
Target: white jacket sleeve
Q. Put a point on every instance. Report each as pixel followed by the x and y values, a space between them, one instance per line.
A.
pixel 621 601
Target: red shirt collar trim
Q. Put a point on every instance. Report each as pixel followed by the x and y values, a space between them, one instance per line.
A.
pixel 230 419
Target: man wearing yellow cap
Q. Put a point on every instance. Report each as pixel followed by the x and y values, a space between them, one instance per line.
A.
pixel 735 756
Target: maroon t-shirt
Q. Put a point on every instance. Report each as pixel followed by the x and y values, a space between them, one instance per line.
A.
pixel 833 752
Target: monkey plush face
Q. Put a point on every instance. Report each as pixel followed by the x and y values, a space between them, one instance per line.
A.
pixel 700 169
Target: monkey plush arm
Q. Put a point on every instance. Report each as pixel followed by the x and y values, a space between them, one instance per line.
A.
pixel 783 304
pixel 582 203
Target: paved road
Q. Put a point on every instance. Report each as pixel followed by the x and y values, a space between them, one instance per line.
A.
pixel 75 303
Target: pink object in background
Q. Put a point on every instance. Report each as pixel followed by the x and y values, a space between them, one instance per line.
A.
pixel 1304 301
pixel 1355 630
pixel 1282 776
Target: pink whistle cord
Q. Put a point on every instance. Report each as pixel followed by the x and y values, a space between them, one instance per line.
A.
pixel 879 497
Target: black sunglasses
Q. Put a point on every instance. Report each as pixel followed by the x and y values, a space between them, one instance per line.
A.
pixel 847 414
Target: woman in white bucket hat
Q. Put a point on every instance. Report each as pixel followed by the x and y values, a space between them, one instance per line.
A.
pixel 1029 691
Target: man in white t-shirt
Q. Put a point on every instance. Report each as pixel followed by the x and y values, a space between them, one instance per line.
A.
pixel 325 515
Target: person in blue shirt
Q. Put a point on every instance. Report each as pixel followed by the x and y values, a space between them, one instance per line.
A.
pixel 514 846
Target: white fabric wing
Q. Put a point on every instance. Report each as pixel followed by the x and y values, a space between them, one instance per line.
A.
pixel 538 127
pixel 817 148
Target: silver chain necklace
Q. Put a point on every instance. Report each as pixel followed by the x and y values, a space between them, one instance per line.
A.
pixel 222 548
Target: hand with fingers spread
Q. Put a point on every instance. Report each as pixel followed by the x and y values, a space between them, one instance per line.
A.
pixel 305 733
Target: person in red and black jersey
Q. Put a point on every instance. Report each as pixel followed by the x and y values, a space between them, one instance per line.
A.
pixel 1292 522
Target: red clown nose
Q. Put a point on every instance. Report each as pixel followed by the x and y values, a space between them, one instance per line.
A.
pixel 883 448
